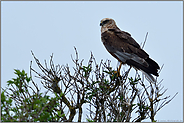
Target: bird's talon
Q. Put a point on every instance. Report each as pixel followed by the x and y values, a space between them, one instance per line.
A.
pixel 116 73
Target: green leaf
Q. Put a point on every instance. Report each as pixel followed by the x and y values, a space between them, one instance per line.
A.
pixel 61 94
pixel 121 97
pixel 59 112
pixel 28 79
pixel 23 72
pixel 134 81
pixel 93 93
pixel 35 106
pixel 137 79
pixel 3 97
pixel 101 86
pixel 90 97
pixel 17 71
pixel 9 101
pixel 10 82
pixel 85 75
pixel 147 107
pixel 37 101
pixel 113 77
pixel 108 72
pixel 89 93
pixel 131 79
pixel 89 120
pixel 17 93
pixel 114 120
pixel 84 68
pixel 62 115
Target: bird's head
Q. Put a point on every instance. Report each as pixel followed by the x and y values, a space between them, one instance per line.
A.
pixel 107 23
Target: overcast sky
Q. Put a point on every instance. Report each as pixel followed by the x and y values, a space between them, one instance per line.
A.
pixel 56 27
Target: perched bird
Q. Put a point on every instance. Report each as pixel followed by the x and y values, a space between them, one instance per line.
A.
pixel 126 50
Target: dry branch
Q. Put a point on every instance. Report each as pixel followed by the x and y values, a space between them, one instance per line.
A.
pixel 110 97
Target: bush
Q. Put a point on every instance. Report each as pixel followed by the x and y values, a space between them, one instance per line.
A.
pixel 109 97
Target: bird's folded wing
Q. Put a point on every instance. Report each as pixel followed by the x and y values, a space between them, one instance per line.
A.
pixel 123 56
pixel 126 36
pixel 139 52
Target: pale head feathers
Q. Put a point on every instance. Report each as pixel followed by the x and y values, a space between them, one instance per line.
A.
pixel 107 23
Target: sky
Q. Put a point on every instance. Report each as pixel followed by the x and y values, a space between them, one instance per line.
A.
pixel 57 26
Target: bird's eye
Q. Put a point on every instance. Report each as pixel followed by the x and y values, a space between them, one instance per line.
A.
pixel 106 21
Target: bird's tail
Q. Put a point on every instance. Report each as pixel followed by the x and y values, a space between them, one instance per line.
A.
pixel 149 77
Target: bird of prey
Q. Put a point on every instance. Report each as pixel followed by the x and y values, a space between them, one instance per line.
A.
pixel 126 50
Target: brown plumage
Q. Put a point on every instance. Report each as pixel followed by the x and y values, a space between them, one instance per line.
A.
pixel 125 49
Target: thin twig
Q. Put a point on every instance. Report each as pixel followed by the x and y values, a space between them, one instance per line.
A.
pixel 145 40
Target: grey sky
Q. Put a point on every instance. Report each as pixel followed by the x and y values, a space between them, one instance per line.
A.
pixel 56 27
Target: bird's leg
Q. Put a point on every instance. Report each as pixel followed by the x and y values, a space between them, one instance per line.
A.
pixel 119 69
pixel 117 73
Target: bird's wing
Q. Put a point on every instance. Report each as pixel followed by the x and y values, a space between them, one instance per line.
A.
pixel 124 47
pixel 127 43
pixel 125 57
pixel 125 36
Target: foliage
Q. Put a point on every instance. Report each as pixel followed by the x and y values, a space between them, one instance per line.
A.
pixel 109 97
pixel 27 106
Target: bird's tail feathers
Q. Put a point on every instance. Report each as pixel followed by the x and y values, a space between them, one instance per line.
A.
pixel 149 77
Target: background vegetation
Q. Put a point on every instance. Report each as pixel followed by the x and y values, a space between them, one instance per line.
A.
pixel 109 97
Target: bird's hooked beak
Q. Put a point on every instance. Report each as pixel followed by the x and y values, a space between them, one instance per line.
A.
pixel 101 23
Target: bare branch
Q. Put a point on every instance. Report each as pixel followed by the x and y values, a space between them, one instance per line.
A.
pixel 145 40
